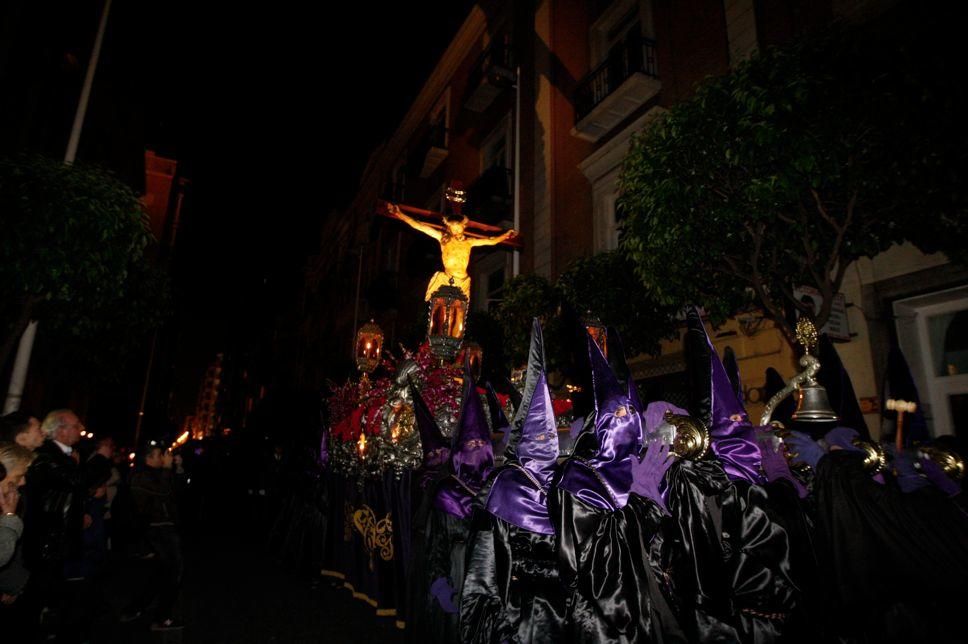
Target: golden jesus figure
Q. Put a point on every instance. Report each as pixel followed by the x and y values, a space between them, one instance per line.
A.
pixel 455 248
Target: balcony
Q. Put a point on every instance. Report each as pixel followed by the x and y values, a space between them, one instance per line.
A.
pixel 490 199
pixel 433 150
pixel 493 73
pixel 625 81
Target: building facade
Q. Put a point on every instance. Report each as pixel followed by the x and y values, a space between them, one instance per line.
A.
pixel 533 106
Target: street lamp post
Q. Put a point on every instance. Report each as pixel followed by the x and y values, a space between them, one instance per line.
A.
pixel 18 375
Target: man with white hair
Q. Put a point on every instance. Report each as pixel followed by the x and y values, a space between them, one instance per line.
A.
pixel 55 506
pixel 62 428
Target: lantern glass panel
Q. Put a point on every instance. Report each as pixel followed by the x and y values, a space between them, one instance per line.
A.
pixel 438 316
pixel 455 318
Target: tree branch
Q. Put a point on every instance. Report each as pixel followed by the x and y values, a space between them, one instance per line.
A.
pixel 772 310
pixel 823 211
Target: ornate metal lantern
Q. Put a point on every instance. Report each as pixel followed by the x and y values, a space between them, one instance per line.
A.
pixel 448 314
pixel 475 357
pixel 369 345
pixel 597 330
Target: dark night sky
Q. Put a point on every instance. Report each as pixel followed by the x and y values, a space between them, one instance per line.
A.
pixel 271 110
pixel 277 111
pixel 274 113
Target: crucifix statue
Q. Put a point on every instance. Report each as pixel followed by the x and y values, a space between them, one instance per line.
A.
pixel 456 242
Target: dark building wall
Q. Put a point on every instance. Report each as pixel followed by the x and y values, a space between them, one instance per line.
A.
pixel 526 40
pixel 571 225
pixel 780 21
pixel 691 45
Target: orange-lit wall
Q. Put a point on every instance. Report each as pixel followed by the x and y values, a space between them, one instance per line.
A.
pixel 571 225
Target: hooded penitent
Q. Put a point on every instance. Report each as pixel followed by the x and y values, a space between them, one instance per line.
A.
pixel 603 479
pixel 519 491
pixel 471 454
pixel 732 372
pixel 899 384
pixel 840 390
pixel 620 367
pixel 499 421
pixel 434 445
pixel 714 401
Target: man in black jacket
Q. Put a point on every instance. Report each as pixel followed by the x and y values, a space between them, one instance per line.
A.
pixel 54 517
pixel 155 510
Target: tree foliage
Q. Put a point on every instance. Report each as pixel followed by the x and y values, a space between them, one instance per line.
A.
pixel 606 285
pixel 603 285
pixel 789 168
pixel 73 256
pixel 526 297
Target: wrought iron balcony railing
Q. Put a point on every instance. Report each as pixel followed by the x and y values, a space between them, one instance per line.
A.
pixel 636 54
pixel 492 74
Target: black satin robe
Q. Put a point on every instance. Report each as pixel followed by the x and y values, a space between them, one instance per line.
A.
pixel 608 566
pixel 808 622
pixel 299 530
pixel 896 563
pixel 512 591
pixel 727 562
pixel 440 550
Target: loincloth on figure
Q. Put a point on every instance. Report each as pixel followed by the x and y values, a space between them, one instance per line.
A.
pixel 443 279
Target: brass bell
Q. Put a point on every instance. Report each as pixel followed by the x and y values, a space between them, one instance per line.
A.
pixel 813 405
pixel 949 461
pixel 875 458
pixel 691 439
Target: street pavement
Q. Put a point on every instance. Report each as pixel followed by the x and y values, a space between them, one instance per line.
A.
pixel 237 592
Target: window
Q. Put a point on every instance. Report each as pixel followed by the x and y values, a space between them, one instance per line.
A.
pixel 605 233
pixel 488 275
pixel 615 24
pixel 495 287
pixel 933 333
pixel 618 32
pixel 496 149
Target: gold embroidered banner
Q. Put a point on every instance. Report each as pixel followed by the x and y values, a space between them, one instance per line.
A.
pixel 377 535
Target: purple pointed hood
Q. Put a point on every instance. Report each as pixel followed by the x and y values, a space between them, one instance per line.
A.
pixel 840 392
pixel 604 480
pixel 616 358
pixel 732 436
pixel 471 455
pixel 732 372
pixel 518 493
pixel 436 450
pixel 534 434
